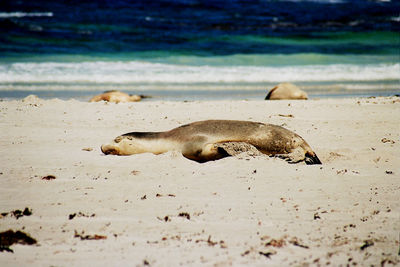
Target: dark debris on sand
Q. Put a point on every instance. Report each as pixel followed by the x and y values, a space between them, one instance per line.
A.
pixel 8 238
pixel 80 214
pixel 49 177
pixel 18 213
pixel 82 236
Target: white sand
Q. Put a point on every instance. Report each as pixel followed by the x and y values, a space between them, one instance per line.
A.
pixel 239 207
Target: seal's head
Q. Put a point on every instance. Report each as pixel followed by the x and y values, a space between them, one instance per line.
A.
pixel 137 142
pixel 123 146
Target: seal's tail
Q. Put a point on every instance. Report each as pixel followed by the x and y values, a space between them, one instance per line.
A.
pixel 312 159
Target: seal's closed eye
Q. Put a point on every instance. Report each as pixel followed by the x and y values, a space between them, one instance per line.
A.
pixel 118 139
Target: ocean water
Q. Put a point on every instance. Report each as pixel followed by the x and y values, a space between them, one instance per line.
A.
pixel 195 50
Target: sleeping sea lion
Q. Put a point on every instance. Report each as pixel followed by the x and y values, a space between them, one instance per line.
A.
pixel 286 91
pixel 204 141
pixel 116 97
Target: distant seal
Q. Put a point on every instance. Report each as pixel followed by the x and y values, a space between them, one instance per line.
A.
pixel 115 96
pixel 286 91
pixel 203 141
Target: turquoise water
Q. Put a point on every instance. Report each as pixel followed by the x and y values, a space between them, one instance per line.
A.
pixel 187 50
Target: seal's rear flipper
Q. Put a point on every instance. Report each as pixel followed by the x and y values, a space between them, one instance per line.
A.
pixel 312 159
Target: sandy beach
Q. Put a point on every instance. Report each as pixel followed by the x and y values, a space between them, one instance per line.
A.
pixel 88 209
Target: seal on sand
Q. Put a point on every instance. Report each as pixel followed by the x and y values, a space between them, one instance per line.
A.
pixel 204 141
pixel 116 97
pixel 286 91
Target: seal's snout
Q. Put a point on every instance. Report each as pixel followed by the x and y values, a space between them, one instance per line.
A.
pixel 109 150
pixel 103 149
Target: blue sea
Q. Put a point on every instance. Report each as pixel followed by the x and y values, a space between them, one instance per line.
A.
pixel 197 50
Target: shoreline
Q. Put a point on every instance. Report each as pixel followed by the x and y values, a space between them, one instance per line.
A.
pixel 194 95
pixel 165 210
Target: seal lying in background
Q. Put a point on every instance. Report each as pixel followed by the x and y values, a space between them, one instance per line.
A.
pixel 286 91
pixel 204 141
pixel 116 97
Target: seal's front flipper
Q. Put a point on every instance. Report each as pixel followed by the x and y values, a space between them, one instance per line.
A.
pixel 203 152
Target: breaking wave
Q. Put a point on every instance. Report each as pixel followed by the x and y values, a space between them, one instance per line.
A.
pixel 138 72
pixel 25 14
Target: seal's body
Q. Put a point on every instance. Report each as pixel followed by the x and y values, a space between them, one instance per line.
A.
pixel 286 91
pixel 116 96
pixel 200 141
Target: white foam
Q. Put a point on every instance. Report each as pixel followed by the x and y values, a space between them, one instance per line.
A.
pixel 397 19
pixel 25 14
pixel 151 73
